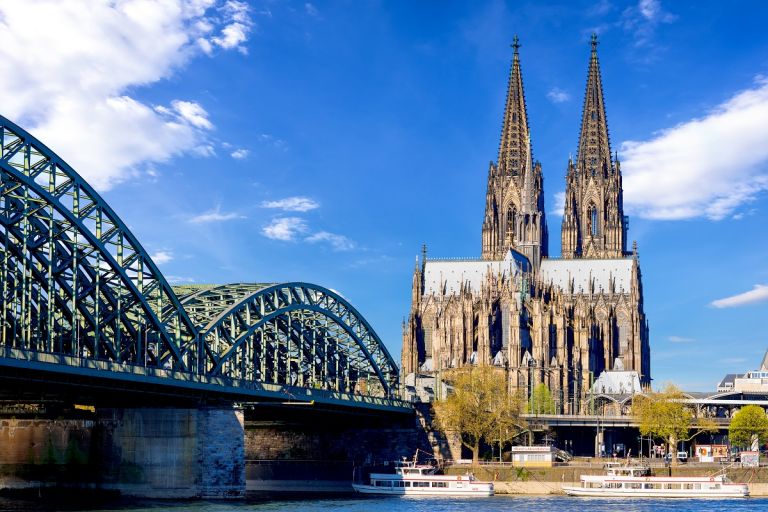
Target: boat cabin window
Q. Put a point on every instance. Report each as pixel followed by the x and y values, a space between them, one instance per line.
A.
pixel 421 484
pixel 407 484
pixel 439 484
pixel 398 484
pixel 383 483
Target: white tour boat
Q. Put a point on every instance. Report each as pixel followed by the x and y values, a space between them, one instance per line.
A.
pixel 636 481
pixel 412 479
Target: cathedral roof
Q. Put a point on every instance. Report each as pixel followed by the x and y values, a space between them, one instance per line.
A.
pixel 561 272
pixel 449 276
pixel 617 383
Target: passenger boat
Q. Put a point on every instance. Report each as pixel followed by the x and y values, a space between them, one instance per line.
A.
pixel 412 479
pixel 636 481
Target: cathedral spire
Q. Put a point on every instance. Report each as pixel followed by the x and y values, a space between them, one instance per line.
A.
pixel 514 131
pixel 594 145
pixel 593 221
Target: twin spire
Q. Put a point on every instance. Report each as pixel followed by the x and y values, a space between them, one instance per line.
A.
pixel 594 154
pixel 593 221
pixel 513 148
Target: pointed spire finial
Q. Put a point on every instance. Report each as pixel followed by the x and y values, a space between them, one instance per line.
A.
pixel 594 42
pixel 424 253
pixel 515 43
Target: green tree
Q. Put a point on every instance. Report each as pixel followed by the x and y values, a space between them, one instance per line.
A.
pixel 541 401
pixel 748 422
pixel 663 415
pixel 479 407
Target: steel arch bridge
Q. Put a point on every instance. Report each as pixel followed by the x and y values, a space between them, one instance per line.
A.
pixel 78 291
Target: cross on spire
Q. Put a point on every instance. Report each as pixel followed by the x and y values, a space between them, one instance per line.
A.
pixel 515 43
pixel 594 42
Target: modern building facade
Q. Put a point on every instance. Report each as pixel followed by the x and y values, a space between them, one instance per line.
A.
pixel 558 321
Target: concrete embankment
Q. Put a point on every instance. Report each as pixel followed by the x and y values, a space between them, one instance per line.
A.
pixel 542 481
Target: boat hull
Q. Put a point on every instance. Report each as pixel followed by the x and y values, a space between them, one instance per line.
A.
pixel 478 491
pixel 736 492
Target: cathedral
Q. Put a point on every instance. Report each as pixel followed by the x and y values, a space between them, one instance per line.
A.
pixel 558 321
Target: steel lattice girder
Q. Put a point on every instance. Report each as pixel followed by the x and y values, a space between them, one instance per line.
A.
pixel 75 281
pixel 78 279
pixel 294 328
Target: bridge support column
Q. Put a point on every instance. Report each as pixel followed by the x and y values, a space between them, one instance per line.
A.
pixel 179 453
pixel 221 441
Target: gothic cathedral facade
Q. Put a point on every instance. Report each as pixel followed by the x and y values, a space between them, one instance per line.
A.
pixel 557 321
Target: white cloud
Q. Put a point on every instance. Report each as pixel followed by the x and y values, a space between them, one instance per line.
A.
pixel 680 339
pixel 557 95
pixel 757 294
pixel 240 154
pixel 215 215
pixel 559 206
pixel 705 167
pixel 292 204
pixel 338 242
pixel 192 113
pixel 236 32
pixel 70 68
pixel 284 228
pixel 161 257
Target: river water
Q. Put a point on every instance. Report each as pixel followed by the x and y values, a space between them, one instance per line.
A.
pixel 387 504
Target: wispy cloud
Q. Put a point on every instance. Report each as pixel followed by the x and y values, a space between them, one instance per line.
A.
pixel 179 279
pixel 99 53
pixel 271 140
pixel 642 20
pixel 215 215
pixel 161 257
pixel 705 167
pixel 240 154
pixel 337 242
pixel 286 229
pixel 680 339
pixel 311 10
pixel 557 95
pixel 757 294
pixel 292 204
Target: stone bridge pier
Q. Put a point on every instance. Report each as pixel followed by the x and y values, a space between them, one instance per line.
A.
pixel 153 452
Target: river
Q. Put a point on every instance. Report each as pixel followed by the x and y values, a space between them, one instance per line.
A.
pixel 387 504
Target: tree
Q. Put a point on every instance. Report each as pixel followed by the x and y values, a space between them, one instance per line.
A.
pixel 663 415
pixel 749 422
pixel 480 407
pixel 541 401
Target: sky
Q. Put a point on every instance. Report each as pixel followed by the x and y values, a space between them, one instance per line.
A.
pixel 272 141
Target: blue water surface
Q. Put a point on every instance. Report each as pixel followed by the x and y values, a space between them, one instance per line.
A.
pixel 386 504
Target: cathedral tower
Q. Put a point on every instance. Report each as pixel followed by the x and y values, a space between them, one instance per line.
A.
pixel 594 225
pixel 514 206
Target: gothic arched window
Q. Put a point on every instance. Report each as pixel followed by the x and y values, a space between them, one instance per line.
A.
pixel 594 227
pixel 511 220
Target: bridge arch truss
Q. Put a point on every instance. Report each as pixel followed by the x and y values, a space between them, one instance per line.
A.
pixel 76 285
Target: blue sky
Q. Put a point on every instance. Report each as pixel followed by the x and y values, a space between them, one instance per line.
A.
pixel 326 141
